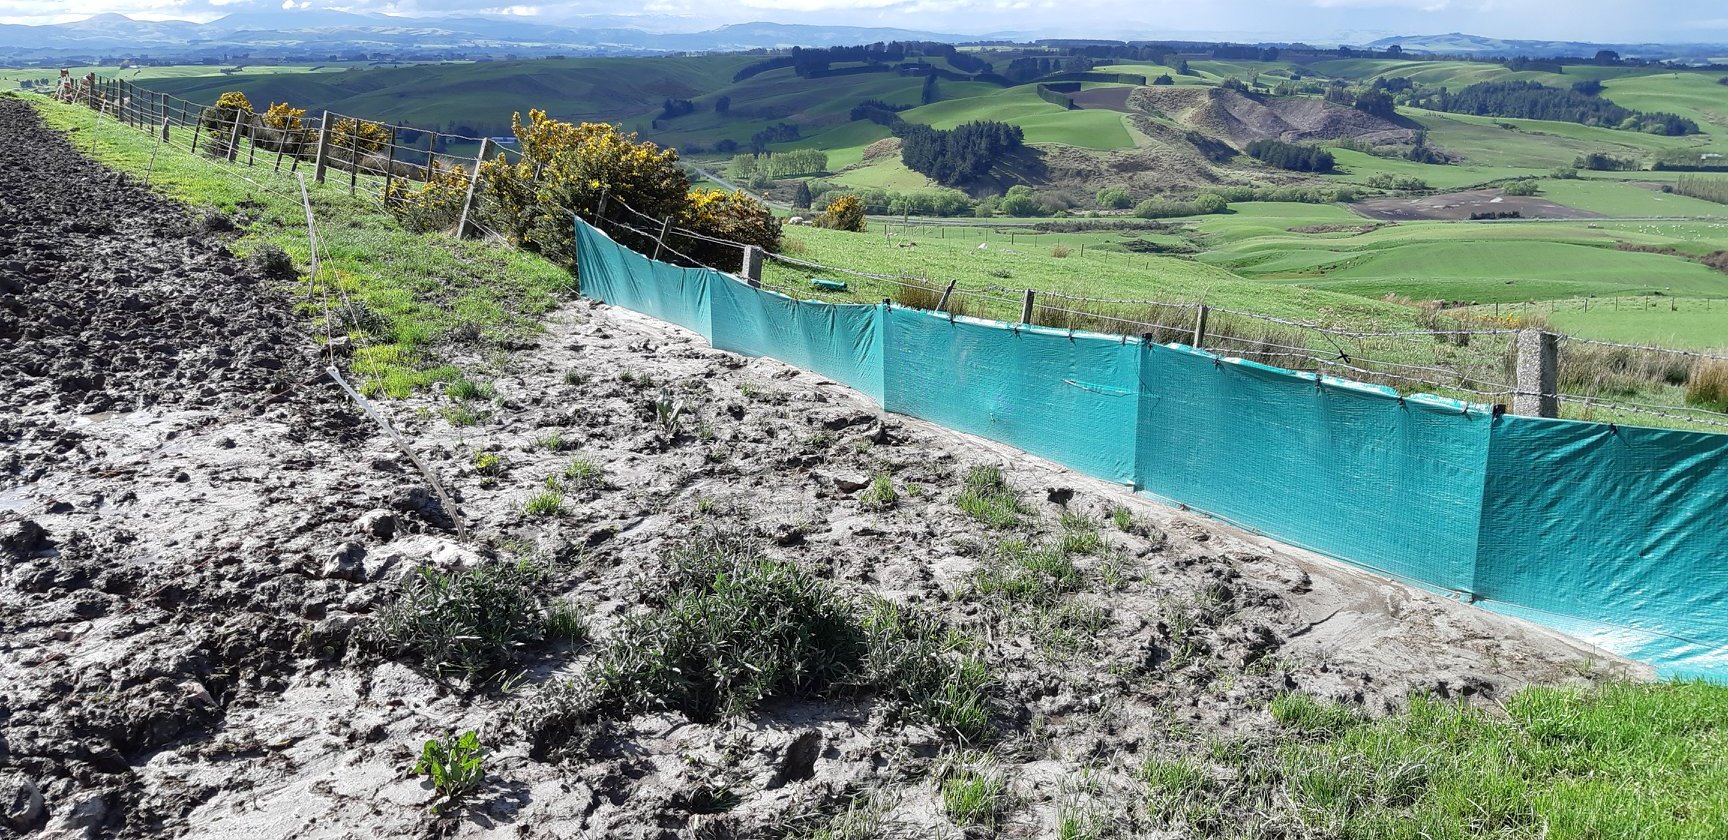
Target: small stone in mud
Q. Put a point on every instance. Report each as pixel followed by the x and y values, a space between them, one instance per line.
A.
pixel 845 483
pixel 22 801
pixel 23 536
pixel 346 563
pixel 377 523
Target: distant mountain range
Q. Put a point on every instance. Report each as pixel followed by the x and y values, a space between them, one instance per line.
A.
pixel 322 34
pixel 1458 43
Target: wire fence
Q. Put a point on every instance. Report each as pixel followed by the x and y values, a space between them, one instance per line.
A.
pixel 1469 353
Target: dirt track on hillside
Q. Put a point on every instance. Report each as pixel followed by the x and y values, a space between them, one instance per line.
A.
pixel 196 535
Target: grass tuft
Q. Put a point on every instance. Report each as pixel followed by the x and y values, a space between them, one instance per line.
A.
pixel 546 503
pixel 986 496
pixel 880 494
pixel 975 794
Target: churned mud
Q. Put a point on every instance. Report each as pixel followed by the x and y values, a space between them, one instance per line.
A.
pixel 197 534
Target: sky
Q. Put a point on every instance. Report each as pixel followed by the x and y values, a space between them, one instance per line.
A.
pixel 1279 20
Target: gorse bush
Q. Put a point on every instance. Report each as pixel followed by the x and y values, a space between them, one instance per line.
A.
pixel 564 168
pixel 435 204
pixel 843 213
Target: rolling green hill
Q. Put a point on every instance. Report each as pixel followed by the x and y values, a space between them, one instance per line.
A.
pixel 1260 250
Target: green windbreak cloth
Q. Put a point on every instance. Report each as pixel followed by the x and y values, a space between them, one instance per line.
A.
pixel 1071 399
pixel 1341 468
pixel 1616 535
pixel 842 342
pixel 1619 534
pixel 617 275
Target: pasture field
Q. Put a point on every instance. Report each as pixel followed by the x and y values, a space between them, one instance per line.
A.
pixel 1042 121
pixel 1697 323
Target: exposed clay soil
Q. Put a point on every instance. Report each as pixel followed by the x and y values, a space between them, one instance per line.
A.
pixel 1108 98
pixel 189 569
pixel 1461 205
pixel 1241 119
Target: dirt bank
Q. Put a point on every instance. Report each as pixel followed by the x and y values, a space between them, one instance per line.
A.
pixel 190 576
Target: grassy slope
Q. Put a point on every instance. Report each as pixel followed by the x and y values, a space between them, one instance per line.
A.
pixel 1504 261
pixel 431 289
pixel 486 93
pixel 1041 121
pixel 1027 262
pixel 1645 761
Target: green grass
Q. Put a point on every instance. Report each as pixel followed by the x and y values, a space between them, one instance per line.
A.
pixel 1697 323
pixel 1041 121
pixel 986 495
pixel 427 294
pixel 1645 761
pixel 975 794
pixel 880 494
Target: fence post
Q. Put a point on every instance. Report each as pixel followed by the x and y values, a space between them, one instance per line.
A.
pixel 197 128
pixel 1537 382
pixel 1026 308
pixel 390 165
pixel 234 139
pixel 1200 325
pixel 465 223
pixel 942 305
pixel 252 138
pixel 753 265
pixel 354 157
pixel 600 209
pixel 323 148
pixel 660 241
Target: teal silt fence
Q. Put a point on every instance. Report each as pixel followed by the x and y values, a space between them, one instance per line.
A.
pixel 1617 535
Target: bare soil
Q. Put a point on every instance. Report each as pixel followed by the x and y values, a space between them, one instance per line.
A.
pixel 196 537
pixel 1461 205
pixel 1241 119
pixel 1110 98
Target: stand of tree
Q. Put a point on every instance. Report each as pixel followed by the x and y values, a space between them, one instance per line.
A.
pixel 1536 101
pixel 1292 156
pixel 958 157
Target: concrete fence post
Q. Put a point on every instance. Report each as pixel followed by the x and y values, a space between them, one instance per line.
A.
pixel 1537 382
pixel 1026 308
pixel 753 266
pixel 465 225
pixel 318 161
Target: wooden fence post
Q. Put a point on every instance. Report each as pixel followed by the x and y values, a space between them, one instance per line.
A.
pixel 354 157
pixel 390 165
pixel 942 305
pixel 466 222
pixel 660 241
pixel 1200 325
pixel 197 128
pixel 323 148
pixel 1026 308
pixel 234 138
pixel 1537 381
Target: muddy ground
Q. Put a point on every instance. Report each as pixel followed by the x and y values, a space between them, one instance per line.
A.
pixel 197 536
pixel 1462 205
